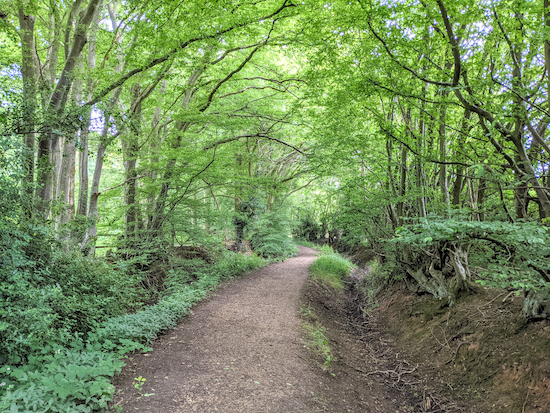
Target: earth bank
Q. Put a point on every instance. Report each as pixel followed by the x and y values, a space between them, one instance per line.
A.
pixel 480 355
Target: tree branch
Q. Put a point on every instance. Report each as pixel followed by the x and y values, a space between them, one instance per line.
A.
pixel 121 184
pixel 452 41
pixel 255 135
pixel 433 82
pixel 171 53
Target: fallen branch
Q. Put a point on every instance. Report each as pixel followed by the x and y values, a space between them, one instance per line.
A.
pixel 390 372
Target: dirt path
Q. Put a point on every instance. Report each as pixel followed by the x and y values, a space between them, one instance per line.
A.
pixel 241 351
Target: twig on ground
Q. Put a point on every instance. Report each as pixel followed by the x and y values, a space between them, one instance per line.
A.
pixel 354 368
pixel 443 345
pixel 486 304
pixel 525 402
pixel 390 372
pixel 456 351
pixel 509 294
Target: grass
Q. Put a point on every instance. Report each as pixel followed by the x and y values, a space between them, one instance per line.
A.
pixel 316 338
pixel 331 268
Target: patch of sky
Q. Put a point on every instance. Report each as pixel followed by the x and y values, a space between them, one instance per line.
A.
pixel 97 121
pixel 107 24
pixel 13 71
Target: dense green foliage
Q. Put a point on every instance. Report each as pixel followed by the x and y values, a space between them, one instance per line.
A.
pixel 411 132
pixel 309 230
pixel 270 235
pixel 75 376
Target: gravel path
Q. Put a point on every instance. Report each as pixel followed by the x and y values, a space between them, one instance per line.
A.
pixel 240 351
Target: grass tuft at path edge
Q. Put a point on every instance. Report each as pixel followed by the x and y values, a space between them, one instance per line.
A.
pixel 331 268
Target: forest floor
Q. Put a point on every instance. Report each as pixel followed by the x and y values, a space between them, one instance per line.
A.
pixel 244 350
pixel 248 348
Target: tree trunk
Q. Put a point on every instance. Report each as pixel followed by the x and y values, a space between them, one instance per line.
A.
pixel 93 213
pixel 402 185
pixel 83 154
pixel 71 201
pixel 83 169
pixel 157 138
pixel 49 141
pixel 481 190
pixel 64 195
pixel 443 177
pixel 29 72
pixel 130 147
pixel 392 214
pixel 419 165
pixel 459 180
pixel 66 163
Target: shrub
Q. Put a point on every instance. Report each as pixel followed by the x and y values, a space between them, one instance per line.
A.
pixel 377 277
pixel 269 235
pixel 309 230
pixel 184 272
pixel 48 303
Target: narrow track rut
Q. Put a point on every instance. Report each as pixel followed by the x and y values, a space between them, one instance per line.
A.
pixel 240 351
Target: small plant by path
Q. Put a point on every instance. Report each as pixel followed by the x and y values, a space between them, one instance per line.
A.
pixel 138 385
pixel 316 338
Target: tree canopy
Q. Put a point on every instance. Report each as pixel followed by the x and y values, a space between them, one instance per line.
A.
pixel 415 130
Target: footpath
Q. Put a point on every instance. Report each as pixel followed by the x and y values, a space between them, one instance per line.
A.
pixel 240 351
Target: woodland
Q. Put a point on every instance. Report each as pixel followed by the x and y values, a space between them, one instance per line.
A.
pixel 140 139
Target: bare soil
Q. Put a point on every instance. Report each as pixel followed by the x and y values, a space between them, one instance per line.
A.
pixel 480 353
pixel 243 351
pixel 360 378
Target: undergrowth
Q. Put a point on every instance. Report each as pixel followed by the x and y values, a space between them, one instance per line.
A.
pixel 73 376
pixel 269 235
pixel 305 243
pixel 372 284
